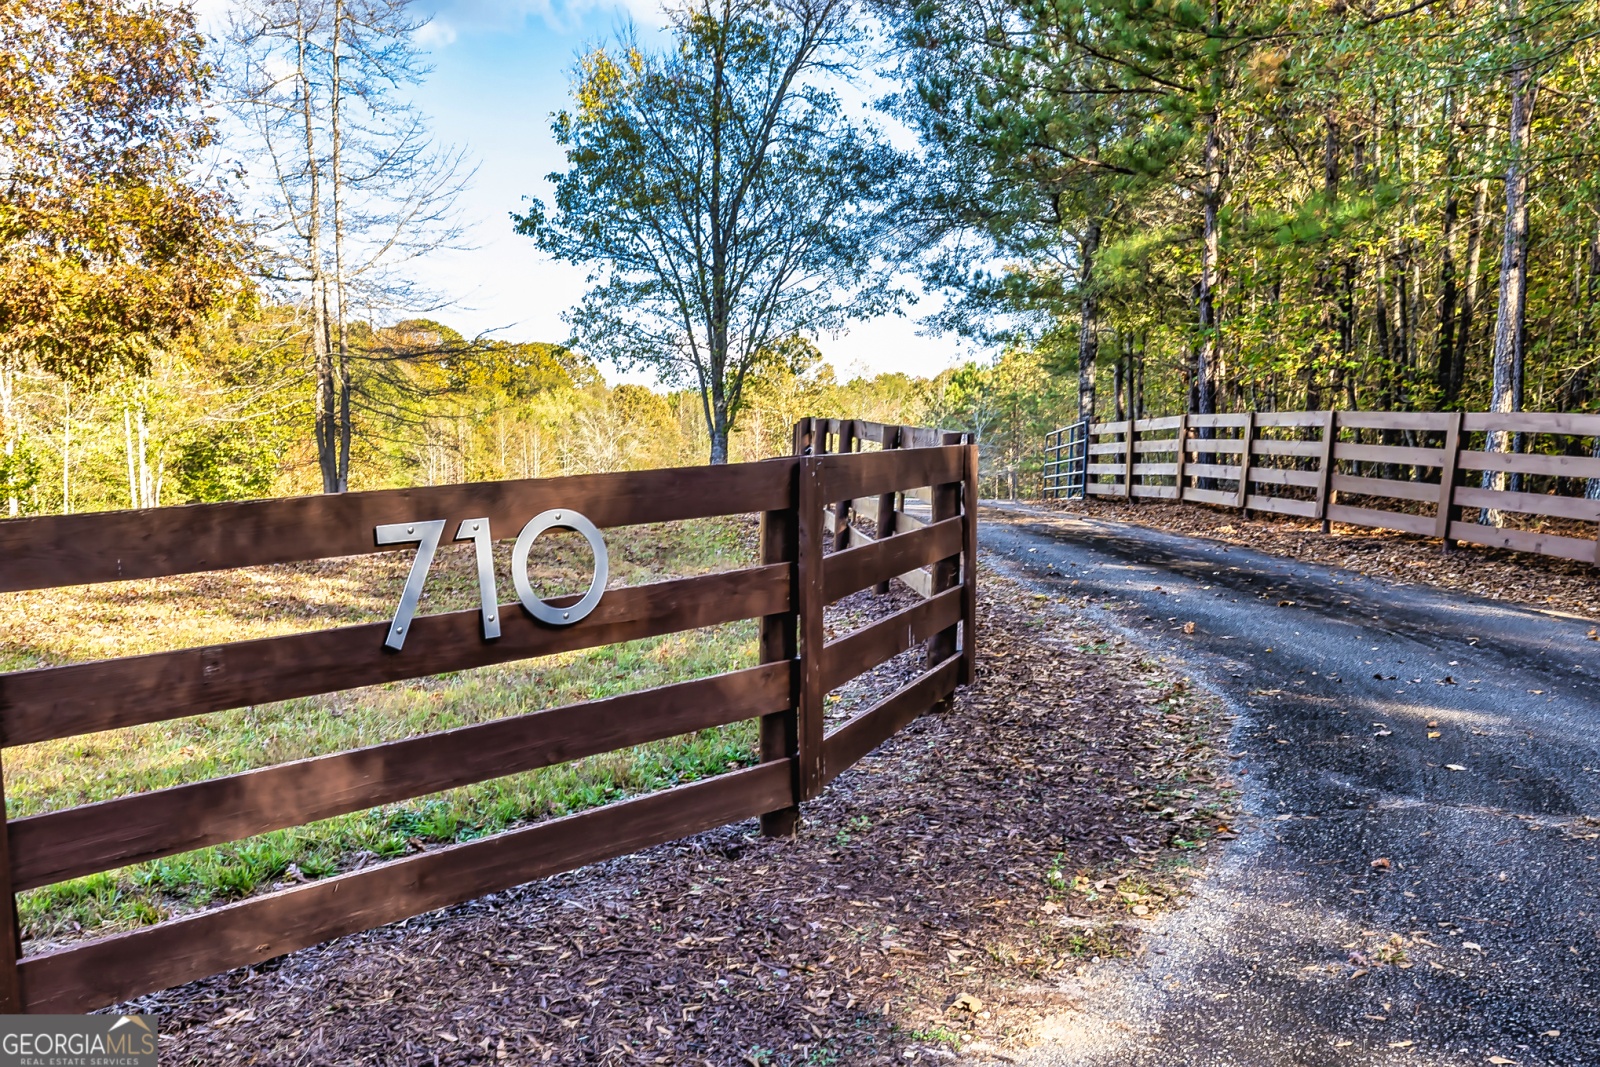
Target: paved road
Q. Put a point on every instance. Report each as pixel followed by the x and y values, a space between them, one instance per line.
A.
pixel 1339 682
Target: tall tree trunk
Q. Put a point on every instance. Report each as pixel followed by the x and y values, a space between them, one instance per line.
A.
pixel 1592 490
pixel 719 430
pixel 1088 328
pixel 1206 370
pixel 1210 249
pixel 1139 406
pixel 1445 348
pixel 326 415
pixel 340 282
pixel 1469 299
pixel 8 389
pixel 66 447
pixel 1324 286
pixel 147 490
pixel 127 441
pixel 1510 314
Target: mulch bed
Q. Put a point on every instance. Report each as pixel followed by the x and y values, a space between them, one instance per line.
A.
pixel 1499 574
pixel 932 905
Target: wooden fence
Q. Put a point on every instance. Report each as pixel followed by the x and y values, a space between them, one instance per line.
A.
pixel 787 592
pixel 1417 472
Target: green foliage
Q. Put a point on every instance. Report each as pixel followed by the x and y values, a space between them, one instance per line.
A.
pixel 19 469
pixel 720 195
pixel 222 463
pixel 1359 188
pixel 109 243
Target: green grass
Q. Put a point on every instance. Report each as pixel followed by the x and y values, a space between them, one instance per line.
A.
pixel 137 617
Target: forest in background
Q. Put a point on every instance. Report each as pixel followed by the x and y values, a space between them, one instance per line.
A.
pixel 1138 205
pixel 1220 206
pixel 227 416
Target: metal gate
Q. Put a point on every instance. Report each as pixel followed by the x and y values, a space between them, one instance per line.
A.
pixel 1066 462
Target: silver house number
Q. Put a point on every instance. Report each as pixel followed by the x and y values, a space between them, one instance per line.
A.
pixel 539 608
pixel 427 534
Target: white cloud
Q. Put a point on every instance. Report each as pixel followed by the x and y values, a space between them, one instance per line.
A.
pixel 561 16
pixel 435 33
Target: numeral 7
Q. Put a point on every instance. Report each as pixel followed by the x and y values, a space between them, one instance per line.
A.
pixel 426 534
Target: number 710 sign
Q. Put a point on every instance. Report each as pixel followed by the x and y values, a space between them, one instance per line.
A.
pixel 426 534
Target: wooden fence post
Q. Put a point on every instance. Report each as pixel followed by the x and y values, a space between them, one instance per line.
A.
pixel 809 727
pixel 841 508
pixel 969 576
pixel 804 437
pixel 1244 460
pixel 1129 439
pixel 1449 471
pixel 1183 454
pixel 780 539
pixel 886 509
pixel 10 935
pixel 1330 435
pixel 946 504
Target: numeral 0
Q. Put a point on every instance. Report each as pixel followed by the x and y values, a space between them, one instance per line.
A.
pixel 427 533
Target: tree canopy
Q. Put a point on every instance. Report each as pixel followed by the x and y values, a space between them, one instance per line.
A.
pixel 720 196
pixel 114 236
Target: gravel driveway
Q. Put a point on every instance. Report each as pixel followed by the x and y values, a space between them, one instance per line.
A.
pixel 1417 879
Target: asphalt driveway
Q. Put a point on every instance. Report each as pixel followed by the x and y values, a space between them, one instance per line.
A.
pixel 1417 877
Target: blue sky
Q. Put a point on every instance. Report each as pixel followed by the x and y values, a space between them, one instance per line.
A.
pixel 500 68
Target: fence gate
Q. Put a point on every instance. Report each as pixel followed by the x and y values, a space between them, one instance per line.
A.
pixel 1066 464
pixel 801 500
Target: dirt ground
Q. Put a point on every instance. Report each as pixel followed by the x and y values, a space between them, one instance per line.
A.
pixel 1499 574
pixel 929 906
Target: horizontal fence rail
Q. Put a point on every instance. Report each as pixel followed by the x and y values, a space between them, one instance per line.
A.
pixel 812 552
pixel 1416 472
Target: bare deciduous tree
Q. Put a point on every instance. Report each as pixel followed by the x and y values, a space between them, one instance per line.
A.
pixel 350 183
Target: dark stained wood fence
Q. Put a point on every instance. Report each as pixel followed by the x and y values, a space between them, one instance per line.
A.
pixel 799 499
pixel 1417 472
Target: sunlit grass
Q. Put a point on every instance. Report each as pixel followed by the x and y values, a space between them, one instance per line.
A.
pixel 139 617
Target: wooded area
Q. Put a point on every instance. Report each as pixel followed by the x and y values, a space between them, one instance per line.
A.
pixel 1276 206
pixel 1136 208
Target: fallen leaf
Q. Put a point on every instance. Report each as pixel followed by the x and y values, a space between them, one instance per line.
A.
pixel 1499 1061
pixel 1285 603
pixel 1454 767
pixel 967 1002
pixel 1382 863
pixel 1188 627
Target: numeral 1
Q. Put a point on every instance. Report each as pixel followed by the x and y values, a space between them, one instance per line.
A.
pixel 427 535
pixel 477 530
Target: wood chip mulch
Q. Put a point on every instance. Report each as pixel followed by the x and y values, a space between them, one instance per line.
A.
pixel 937 902
pixel 1499 574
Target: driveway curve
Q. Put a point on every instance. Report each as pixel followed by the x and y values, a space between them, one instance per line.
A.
pixel 1417 877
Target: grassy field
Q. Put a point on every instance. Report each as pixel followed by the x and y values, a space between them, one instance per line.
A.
pixel 74 625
